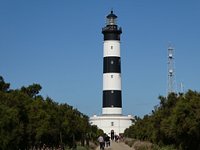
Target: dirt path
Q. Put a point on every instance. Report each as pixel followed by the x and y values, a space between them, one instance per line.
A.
pixel 118 146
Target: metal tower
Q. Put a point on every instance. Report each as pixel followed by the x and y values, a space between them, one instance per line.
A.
pixel 171 71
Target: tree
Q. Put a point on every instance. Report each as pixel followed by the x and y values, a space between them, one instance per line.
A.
pixel 176 121
pixel 31 90
pixel 3 86
pixel 28 120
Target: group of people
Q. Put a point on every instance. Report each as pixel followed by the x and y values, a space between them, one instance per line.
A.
pixel 104 141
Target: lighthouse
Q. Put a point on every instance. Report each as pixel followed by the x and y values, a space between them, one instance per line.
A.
pixel 112 119
pixel 112 95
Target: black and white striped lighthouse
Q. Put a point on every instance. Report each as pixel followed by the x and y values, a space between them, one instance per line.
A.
pixel 112 120
pixel 112 94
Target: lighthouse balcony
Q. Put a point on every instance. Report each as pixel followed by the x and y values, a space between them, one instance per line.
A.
pixel 112 28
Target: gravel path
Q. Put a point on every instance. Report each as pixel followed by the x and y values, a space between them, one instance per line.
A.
pixel 117 146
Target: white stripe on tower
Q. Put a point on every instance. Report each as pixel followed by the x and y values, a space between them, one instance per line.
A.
pixel 111 48
pixel 112 81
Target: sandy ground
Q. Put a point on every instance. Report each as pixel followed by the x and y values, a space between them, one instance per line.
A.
pixel 117 146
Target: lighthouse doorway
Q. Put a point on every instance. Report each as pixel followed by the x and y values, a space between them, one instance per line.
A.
pixel 112 133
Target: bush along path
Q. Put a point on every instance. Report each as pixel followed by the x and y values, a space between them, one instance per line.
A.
pixel 27 121
pixel 175 122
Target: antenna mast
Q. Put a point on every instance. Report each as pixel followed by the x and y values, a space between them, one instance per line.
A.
pixel 171 71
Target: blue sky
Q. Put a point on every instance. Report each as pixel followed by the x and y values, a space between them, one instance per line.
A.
pixel 59 45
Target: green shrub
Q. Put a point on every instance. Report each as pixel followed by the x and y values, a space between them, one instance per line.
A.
pixel 168 148
pixel 156 147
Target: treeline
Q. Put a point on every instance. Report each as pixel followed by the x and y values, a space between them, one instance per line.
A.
pixel 175 122
pixel 28 120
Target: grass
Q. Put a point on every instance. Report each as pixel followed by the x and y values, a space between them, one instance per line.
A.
pixel 92 146
pixel 129 141
pixel 144 145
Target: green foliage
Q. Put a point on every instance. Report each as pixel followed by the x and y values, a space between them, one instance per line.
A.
pixel 168 148
pixel 176 121
pixel 31 90
pixel 3 86
pixel 28 120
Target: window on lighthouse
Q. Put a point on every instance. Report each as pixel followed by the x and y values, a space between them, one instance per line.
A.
pixel 111 47
pixel 111 21
pixel 112 62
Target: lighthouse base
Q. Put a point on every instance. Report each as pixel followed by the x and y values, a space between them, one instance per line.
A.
pixel 107 123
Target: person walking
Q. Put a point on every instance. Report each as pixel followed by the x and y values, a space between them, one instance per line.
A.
pixel 107 140
pixel 101 142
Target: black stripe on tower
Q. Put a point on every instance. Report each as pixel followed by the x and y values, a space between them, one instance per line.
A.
pixel 112 98
pixel 111 65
